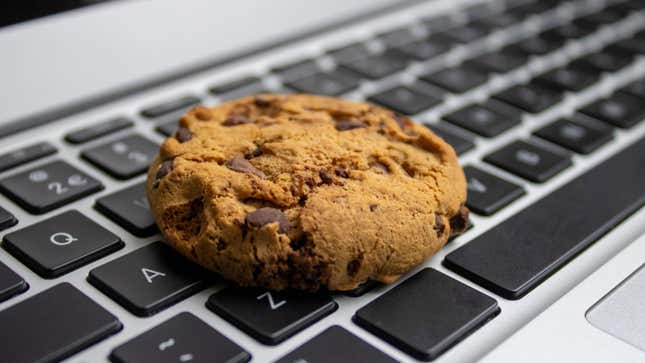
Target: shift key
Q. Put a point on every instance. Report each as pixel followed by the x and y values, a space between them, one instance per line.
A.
pixel 517 255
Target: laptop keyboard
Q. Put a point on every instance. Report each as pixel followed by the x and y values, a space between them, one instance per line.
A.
pixel 447 73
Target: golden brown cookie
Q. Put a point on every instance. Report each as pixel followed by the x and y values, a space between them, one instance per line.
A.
pixel 306 192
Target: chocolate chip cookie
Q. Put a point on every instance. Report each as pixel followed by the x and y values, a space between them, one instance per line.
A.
pixel 306 192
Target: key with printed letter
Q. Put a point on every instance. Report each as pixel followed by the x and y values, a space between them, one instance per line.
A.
pixel 182 338
pixel 336 345
pixel 47 187
pixel 270 317
pixel 129 208
pixel 53 325
pixel 149 279
pixel 61 244
pixel 123 158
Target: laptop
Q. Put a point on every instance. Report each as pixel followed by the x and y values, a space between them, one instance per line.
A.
pixel 543 101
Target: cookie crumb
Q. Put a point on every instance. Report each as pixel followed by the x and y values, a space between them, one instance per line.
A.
pixel 267 215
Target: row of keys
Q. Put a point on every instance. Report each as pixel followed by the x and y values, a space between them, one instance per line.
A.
pixel 429 325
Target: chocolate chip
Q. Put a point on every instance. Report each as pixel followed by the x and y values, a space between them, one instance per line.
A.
pixel 439 226
pixel 353 266
pixel 325 177
pixel 262 101
pixel 242 165
pixel 202 113
pixel 183 134
pixel 349 125
pixel 266 215
pixel 373 207
pixel 164 169
pixel 459 221
pixel 221 245
pixel 237 119
pixel 254 154
pixel 341 172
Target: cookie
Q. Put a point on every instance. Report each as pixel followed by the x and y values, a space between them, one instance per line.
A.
pixel 305 192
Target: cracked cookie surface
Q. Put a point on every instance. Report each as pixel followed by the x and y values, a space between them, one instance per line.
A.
pixel 305 192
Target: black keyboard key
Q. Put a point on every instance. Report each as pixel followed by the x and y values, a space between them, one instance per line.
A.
pixel 169 106
pixel 129 208
pixel 47 187
pixel 149 279
pixel 577 134
pixel 397 37
pixel 233 85
pixel 405 100
pixel 529 161
pixel 496 21
pixel 425 49
pixel 537 45
pixel 182 338
pixel 379 65
pixel 485 119
pixel 6 219
pixel 270 317
pixel 336 345
pixel 499 62
pixel 633 45
pixel 460 143
pixel 332 83
pixel 570 78
pixel 530 97
pixel 457 79
pixel 169 127
pixel 606 60
pixel 636 88
pixel 61 244
pixel 242 91
pixel 515 256
pixel 26 154
pixel 297 69
pixel 620 109
pixel 362 289
pixel 600 18
pixel 568 31
pixel 437 23
pixel 423 323
pixel 349 52
pixel 97 130
pixel 487 193
pixel 463 34
pixel 10 283
pixel 53 325
pixel 123 158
